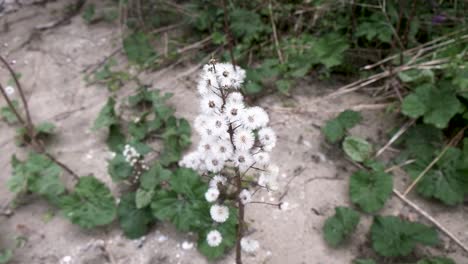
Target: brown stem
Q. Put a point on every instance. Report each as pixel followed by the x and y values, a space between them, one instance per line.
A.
pixel 227 31
pixel 10 104
pixel 240 219
pixel 29 123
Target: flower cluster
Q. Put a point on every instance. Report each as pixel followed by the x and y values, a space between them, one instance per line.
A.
pixel 234 137
pixel 135 159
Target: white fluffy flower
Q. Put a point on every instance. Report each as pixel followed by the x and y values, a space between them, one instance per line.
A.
pixel 236 98
pixel 211 104
pixel 228 76
pixel 244 139
pixel 249 245
pixel 267 138
pixel 245 196
pixel 223 149
pixel 191 160
pixel 218 125
pixel 200 123
pixel 233 111
pixel 214 238
pixel 269 178
pixel 212 194
pixel 131 154
pixel 207 83
pixel 219 213
pixel 9 90
pixel 254 118
pixel 214 164
pixel 261 158
pixel 205 147
pixel 218 179
pixel 243 160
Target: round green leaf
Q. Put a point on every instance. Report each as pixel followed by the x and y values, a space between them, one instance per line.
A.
pixel 370 190
pixel 357 149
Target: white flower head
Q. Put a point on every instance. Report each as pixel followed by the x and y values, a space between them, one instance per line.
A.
pixel 269 178
pixel 249 245
pixel 131 154
pixel 191 160
pixel 200 123
pixel 233 111
pixel 214 164
pixel 235 97
pixel 267 138
pixel 228 76
pixel 245 196
pixel 254 118
pixel 223 149
pixel 211 104
pixel 9 90
pixel 218 124
pixel 219 213
pixel 243 160
pixel 207 82
pixel 217 179
pixel 205 147
pixel 214 238
pixel 261 158
pixel 212 194
pixel 244 139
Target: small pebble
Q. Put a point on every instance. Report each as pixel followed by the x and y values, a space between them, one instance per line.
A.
pixel 187 245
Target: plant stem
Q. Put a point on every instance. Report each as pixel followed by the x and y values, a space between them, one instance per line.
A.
pixel 240 219
pixel 10 104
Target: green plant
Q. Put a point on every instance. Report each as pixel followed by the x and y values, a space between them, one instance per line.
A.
pixel 340 226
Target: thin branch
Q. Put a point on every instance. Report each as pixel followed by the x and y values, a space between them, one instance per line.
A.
pixel 272 204
pixel 11 106
pixel 397 135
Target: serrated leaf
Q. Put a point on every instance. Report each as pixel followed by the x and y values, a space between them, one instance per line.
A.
pixel 349 118
pixel 370 190
pixel 143 197
pixel 187 182
pixel 357 149
pixel 91 203
pixel 119 169
pixel 421 142
pixel 392 236
pixel 138 48
pixel 436 260
pixel 445 181
pixel 152 177
pixel 7 114
pixel 107 116
pixel 134 222
pixel 338 227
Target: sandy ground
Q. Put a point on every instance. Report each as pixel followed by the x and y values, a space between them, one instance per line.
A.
pixel 313 174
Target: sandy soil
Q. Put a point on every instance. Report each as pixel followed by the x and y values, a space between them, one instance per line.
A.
pixel 313 174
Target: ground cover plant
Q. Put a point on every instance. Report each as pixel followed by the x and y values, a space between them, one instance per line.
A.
pixel 410 55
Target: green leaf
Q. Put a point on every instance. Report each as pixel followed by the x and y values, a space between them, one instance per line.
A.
pixel 357 149
pixel 329 49
pixel 370 190
pixel 336 128
pixel 187 182
pixel 152 177
pixel 143 197
pixel 49 184
pixel 413 107
pixel 119 169
pixel 138 48
pixel 134 222
pixel 338 227
pixel 364 261
pixel 88 13
pixel 6 256
pixel 116 139
pixel 445 181
pixel 436 260
pixel 392 236
pixel 45 128
pixel 333 130
pixel 184 213
pixel 284 86
pixel 107 116
pixel 7 114
pixel 422 141
pixel 91 203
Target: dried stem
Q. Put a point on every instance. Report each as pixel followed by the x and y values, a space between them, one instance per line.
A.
pixel 275 34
